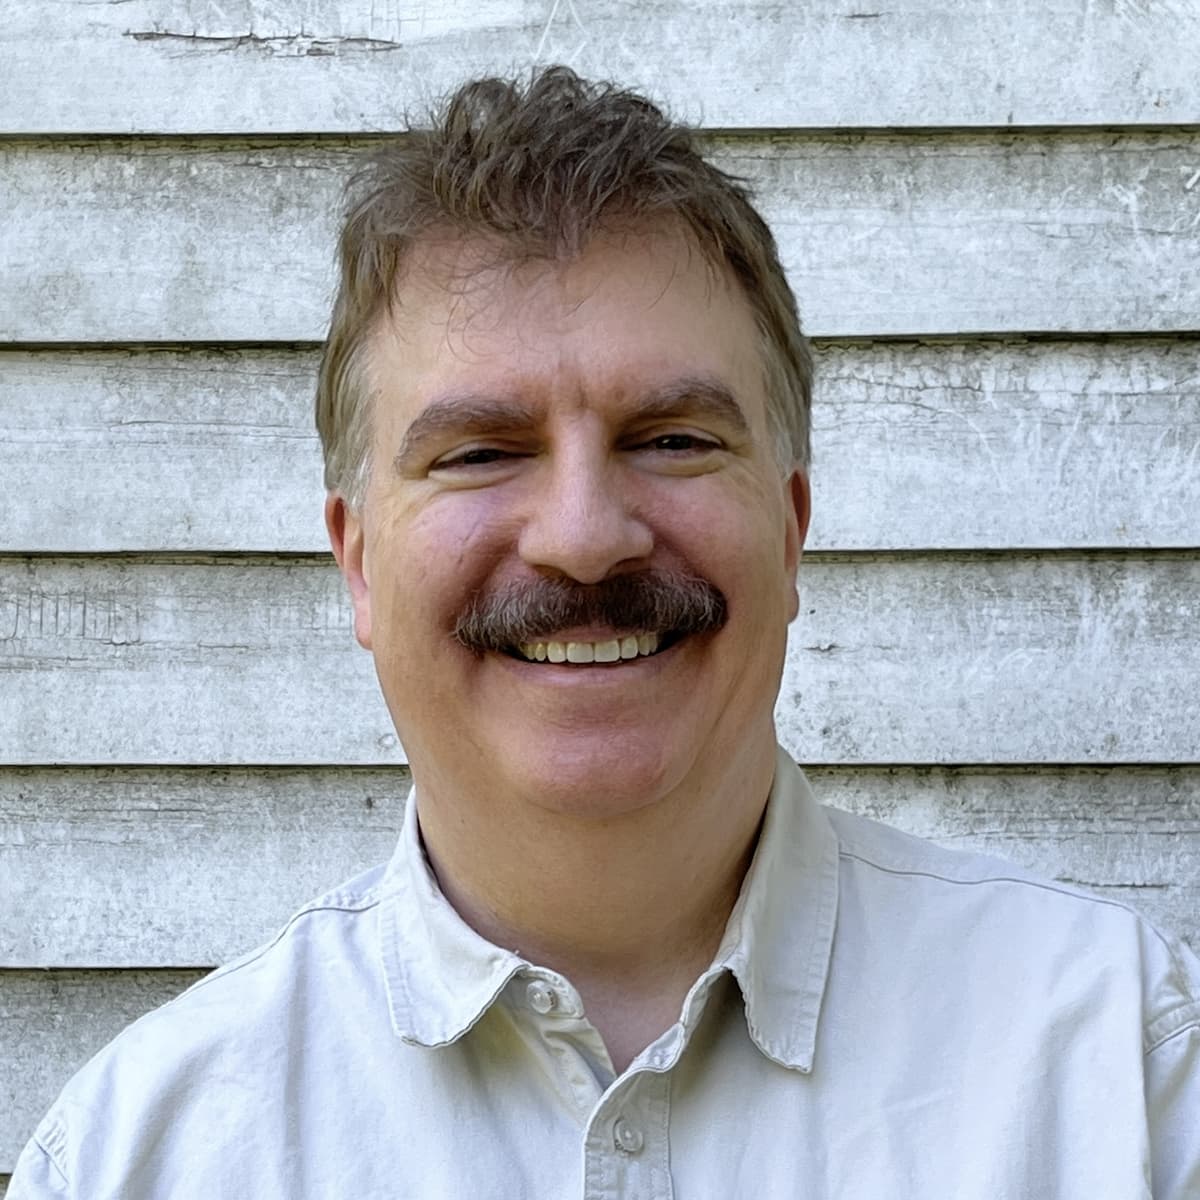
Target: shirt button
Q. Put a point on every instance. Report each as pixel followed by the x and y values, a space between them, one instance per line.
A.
pixel 627 1137
pixel 542 998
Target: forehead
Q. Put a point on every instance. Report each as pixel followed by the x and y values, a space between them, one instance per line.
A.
pixel 633 311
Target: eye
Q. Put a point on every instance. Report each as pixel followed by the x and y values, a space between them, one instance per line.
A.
pixel 681 443
pixel 476 456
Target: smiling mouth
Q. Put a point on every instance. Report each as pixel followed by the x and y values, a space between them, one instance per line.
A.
pixel 613 650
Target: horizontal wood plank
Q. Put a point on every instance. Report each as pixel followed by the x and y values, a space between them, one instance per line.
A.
pixel 180 66
pixel 995 660
pixel 1040 445
pixel 222 857
pixel 882 235
pixel 52 1022
pixel 1086 445
pixel 922 659
pixel 1133 835
pixel 201 450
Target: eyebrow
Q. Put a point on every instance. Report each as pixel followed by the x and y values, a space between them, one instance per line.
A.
pixel 473 414
pixel 468 414
pixel 699 395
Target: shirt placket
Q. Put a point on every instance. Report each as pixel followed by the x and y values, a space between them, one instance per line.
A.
pixel 626 1151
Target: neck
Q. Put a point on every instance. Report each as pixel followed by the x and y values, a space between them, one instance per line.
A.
pixel 629 908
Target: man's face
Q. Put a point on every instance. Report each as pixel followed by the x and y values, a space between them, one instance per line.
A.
pixel 557 427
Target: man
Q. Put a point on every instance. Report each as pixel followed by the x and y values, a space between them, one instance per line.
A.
pixel 620 951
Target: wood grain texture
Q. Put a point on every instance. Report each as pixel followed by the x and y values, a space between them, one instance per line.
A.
pixel 916 659
pixel 201 450
pixel 1039 445
pixel 995 660
pixel 1085 445
pixel 52 1022
pixel 131 868
pixel 882 235
pixel 182 66
pixel 166 868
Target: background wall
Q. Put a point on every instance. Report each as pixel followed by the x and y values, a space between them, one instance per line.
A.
pixel 991 216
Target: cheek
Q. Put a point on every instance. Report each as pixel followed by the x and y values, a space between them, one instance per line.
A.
pixel 427 565
pixel 743 540
pixel 748 561
pixel 472 536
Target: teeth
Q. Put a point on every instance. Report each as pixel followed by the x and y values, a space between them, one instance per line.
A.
pixel 610 651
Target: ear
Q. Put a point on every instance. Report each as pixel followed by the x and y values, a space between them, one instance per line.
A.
pixel 346 537
pixel 797 516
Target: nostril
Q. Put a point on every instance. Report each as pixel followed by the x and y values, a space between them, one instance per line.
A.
pixel 585 542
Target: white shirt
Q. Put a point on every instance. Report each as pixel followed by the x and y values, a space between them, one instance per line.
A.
pixel 883 1019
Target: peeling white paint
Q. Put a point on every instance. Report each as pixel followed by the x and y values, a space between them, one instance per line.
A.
pixel 258 66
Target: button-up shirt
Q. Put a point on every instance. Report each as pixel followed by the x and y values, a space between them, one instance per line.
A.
pixel 884 1018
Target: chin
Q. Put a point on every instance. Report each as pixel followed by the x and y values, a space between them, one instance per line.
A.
pixel 605 776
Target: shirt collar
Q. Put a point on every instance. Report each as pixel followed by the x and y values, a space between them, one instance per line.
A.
pixel 441 976
pixel 779 938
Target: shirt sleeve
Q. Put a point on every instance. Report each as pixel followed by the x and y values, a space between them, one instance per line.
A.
pixel 1173 1107
pixel 37 1176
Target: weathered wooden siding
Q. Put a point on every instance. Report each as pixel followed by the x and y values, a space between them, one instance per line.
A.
pixel 882 234
pixel 183 66
pixel 1050 444
pixel 993 224
pixel 51 1022
pixel 220 856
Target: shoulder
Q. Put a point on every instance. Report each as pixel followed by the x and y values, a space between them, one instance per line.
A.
pixel 324 939
pixel 870 848
pixel 218 1047
pixel 338 922
pixel 996 914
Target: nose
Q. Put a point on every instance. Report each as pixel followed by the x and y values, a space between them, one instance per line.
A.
pixel 581 523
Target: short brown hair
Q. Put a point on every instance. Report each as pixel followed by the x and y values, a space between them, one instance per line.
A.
pixel 542 167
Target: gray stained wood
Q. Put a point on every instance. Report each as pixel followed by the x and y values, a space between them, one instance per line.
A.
pixel 325 66
pixel 1043 445
pixel 955 658
pixel 882 234
pixel 121 867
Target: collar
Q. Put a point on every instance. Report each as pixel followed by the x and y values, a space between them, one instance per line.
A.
pixel 779 938
pixel 441 976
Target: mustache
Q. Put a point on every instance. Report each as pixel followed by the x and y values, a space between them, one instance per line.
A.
pixel 644 602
